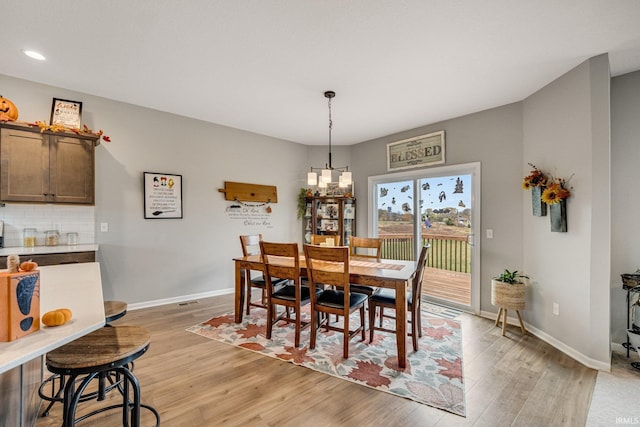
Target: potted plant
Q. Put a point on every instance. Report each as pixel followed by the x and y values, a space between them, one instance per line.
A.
pixel 302 201
pixel 508 293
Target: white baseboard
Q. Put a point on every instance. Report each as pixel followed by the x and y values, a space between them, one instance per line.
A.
pixel 569 351
pixel 181 298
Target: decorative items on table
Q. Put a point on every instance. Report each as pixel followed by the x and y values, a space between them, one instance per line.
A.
pixel 548 190
pixel 19 299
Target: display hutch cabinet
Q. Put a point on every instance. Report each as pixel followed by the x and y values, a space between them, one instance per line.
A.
pixel 335 216
pixel 46 167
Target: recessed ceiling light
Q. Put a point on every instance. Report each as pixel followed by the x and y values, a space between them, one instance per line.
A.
pixel 35 55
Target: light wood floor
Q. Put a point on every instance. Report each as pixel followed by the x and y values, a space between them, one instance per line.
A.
pixel 193 381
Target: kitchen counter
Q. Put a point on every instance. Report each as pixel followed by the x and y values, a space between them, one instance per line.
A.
pixel 44 250
pixel 74 286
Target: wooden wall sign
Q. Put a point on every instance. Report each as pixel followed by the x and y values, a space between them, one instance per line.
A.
pixel 249 192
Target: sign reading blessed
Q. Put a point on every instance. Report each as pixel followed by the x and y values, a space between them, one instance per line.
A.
pixel 419 151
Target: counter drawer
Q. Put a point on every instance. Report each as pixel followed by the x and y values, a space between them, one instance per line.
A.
pixel 55 259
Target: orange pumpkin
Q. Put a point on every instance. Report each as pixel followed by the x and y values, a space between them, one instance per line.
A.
pixel 67 313
pixel 8 110
pixel 28 266
pixel 53 318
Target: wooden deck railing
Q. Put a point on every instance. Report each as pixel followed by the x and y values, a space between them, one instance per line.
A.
pixel 447 252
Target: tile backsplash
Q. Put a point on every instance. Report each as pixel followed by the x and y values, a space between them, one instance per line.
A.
pixel 63 218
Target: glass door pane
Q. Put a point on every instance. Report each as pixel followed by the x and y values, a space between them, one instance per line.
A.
pixel 396 209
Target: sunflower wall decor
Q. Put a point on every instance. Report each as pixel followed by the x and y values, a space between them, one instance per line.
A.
pixel 551 191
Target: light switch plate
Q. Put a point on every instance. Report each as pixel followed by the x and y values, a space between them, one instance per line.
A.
pixel 104 227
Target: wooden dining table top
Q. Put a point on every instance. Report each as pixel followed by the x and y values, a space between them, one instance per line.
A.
pixel 385 270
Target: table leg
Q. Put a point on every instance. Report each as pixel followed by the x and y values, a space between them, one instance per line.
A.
pixel 239 296
pixel 401 324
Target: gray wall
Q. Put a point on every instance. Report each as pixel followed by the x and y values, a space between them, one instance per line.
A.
pixel 625 176
pixel 150 259
pixel 566 132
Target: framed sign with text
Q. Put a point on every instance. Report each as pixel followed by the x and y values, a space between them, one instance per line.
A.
pixel 66 113
pixel 419 151
pixel 162 195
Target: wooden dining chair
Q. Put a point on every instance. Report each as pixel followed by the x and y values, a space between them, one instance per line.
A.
pixel 365 248
pixel 368 248
pixel 283 260
pixel 330 266
pixel 317 239
pixel 251 246
pixel 386 298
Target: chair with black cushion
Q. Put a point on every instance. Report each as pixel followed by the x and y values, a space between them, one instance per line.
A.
pixel 366 249
pixel 283 260
pixel 386 298
pixel 330 266
pixel 319 239
pixel 251 246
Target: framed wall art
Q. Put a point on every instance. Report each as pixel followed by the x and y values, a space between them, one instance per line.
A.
pixel 416 152
pixel 66 113
pixel 162 195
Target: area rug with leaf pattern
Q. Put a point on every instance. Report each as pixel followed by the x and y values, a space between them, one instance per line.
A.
pixel 434 374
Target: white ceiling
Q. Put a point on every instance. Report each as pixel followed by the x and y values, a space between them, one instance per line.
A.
pixel 263 66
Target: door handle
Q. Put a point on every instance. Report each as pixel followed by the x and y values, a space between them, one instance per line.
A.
pixel 471 238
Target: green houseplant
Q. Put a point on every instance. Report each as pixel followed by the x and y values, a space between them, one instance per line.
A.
pixel 510 277
pixel 508 293
pixel 302 202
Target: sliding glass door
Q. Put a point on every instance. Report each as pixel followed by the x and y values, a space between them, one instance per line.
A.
pixel 438 206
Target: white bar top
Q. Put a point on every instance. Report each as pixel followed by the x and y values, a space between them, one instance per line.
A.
pixel 43 250
pixel 74 286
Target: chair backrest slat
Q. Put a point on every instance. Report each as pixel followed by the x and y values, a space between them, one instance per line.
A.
pixel 281 260
pixel 316 239
pixel 416 282
pixel 328 265
pixel 369 244
pixel 251 244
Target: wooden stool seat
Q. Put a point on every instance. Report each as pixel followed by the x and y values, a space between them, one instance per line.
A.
pixel 106 349
pixel 113 310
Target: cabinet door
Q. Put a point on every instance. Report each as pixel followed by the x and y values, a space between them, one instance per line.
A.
pixel 349 220
pixel 71 170
pixel 24 166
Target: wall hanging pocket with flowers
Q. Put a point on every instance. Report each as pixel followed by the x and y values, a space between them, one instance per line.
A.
pixel 536 182
pixel 546 190
pixel 555 195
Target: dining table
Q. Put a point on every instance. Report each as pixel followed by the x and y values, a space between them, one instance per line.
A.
pixel 392 274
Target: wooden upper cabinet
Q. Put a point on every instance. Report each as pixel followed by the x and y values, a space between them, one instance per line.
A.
pixel 46 167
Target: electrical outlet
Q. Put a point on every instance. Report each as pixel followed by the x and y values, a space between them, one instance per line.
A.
pixel 489 233
pixel 104 227
pixel 556 309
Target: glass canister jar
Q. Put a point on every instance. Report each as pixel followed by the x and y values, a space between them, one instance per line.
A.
pixel 51 237
pixel 72 238
pixel 29 238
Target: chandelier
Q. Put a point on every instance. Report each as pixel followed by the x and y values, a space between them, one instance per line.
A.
pixel 325 177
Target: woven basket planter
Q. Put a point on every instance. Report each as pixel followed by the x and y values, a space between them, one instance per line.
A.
pixel 506 295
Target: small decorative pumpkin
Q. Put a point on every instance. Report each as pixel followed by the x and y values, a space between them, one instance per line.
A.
pixel 67 313
pixel 56 317
pixel 8 110
pixel 28 266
